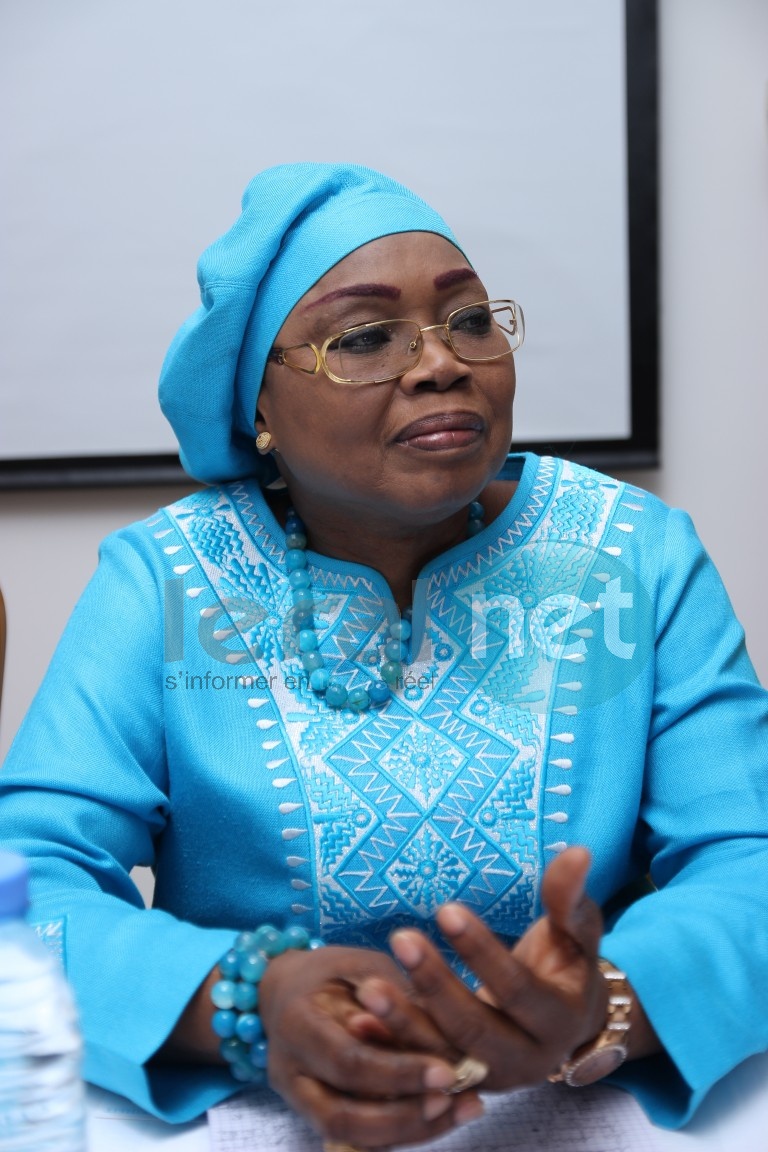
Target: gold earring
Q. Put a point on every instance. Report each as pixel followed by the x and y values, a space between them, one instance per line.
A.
pixel 263 442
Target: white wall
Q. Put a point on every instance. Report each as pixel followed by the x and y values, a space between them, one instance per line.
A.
pixel 714 119
pixel 714 218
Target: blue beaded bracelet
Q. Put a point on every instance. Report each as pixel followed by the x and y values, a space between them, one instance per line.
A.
pixel 236 997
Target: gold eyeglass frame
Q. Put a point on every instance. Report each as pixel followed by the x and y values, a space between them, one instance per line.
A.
pixel 279 355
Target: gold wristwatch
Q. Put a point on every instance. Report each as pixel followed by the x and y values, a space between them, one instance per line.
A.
pixel 608 1051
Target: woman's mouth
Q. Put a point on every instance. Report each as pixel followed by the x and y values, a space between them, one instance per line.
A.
pixel 442 431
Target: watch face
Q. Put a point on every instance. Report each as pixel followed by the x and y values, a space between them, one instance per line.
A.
pixel 593 1066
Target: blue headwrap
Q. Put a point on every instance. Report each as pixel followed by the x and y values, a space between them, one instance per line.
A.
pixel 298 220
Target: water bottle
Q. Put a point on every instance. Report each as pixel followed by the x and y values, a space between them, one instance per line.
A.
pixel 42 1101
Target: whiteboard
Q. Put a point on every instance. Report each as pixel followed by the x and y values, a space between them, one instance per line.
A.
pixel 130 129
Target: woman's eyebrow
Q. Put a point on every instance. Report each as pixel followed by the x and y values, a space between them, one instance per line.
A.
pixel 386 290
pixel 455 276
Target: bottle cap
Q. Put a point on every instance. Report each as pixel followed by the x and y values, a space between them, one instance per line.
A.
pixel 14 885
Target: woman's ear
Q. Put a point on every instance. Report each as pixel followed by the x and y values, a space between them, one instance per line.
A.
pixel 265 440
pixel 261 423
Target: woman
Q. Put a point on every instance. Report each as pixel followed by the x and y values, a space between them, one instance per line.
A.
pixel 379 679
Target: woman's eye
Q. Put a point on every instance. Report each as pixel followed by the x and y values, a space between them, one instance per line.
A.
pixel 472 321
pixel 361 341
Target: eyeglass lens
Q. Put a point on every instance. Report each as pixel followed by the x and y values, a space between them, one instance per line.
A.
pixel 382 351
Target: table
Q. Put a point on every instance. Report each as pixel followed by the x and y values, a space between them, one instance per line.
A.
pixel 734 1118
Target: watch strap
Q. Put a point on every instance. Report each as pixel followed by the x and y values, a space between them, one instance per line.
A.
pixel 609 1049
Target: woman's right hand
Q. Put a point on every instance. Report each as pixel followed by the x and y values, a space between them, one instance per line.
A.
pixel 340 1068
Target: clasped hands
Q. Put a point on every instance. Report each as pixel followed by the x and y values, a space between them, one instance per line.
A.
pixel 368 1055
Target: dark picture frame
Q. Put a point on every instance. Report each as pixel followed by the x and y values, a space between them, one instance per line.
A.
pixel 640 449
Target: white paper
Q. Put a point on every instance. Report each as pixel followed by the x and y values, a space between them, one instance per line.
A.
pixel 117 1125
pixel 544 1119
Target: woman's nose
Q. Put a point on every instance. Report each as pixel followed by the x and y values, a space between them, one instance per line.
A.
pixel 439 367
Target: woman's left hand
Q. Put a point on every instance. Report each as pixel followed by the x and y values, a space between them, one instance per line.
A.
pixel 538 1002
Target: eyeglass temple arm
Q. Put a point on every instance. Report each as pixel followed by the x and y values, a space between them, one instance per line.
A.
pixel 279 356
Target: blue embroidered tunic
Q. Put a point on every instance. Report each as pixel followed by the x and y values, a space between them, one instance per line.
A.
pixel 576 677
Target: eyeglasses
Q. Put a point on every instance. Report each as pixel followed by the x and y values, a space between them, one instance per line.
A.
pixel 386 349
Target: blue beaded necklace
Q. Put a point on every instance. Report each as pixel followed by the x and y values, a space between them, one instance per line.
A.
pixel 396 650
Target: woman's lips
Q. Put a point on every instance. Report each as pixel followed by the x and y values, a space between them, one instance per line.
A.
pixel 446 430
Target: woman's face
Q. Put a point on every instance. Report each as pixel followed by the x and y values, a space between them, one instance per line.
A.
pixel 412 450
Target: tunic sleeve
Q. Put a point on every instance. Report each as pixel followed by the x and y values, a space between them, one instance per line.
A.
pixel 84 796
pixel 696 950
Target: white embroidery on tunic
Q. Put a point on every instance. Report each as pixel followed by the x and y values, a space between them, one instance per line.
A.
pixel 439 795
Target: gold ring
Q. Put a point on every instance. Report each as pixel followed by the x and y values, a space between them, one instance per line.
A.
pixel 332 1146
pixel 469 1072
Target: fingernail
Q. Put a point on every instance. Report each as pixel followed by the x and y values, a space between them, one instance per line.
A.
pixel 441 1077
pixel 435 1106
pixel 407 949
pixel 453 919
pixel 374 1000
pixel 467 1110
